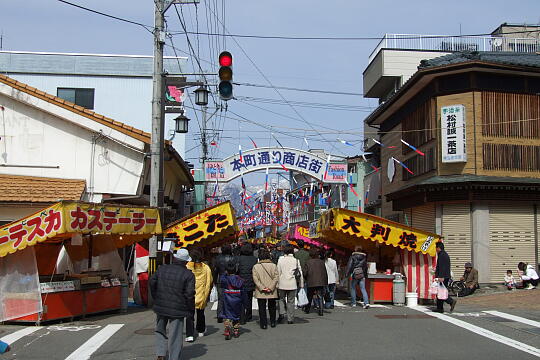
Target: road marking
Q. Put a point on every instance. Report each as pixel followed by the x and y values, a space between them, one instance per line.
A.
pixel 483 332
pixel 17 335
pixel 514 318
pixel 95 342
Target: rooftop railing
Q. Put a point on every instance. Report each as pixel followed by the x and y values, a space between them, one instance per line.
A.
pixel 446 43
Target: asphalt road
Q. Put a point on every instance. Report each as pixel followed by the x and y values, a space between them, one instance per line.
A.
pixel 343 333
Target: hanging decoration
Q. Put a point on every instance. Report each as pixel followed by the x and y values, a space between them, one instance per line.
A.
pixel 413 148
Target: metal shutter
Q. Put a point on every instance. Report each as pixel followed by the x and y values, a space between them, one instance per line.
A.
pixel 423 217
pixel 456 229
pixel 511 238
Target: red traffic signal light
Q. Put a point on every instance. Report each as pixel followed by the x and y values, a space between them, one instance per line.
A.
pixel 225 59
pixel 225 73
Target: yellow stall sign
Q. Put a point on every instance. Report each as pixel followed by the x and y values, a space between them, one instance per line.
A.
pixel 205 226
pixel 63 219
pixel 344 226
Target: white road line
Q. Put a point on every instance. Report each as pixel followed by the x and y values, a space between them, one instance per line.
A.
pixel 17 335
pixel 514 318
pixel 95 342
pixel 483 332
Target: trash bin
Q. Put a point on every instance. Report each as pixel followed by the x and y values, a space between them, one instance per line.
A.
pixel 398 294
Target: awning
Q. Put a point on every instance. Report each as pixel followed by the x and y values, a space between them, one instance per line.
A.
pixel 348 228
pixel 121 225
pixel 212 225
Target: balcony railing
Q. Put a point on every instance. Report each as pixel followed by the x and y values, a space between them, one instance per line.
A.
pixel 455 43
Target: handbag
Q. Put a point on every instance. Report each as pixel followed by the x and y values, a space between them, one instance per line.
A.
pixel 302 299
pixel 213 294
pixel 442 292
pixel 297 274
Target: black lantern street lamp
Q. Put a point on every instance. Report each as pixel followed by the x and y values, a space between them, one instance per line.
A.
pixel 181 123
pixel 201 96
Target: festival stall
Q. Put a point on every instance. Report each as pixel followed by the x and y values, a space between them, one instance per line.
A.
pixel 63 261
pixel 207 228
pixel 390 246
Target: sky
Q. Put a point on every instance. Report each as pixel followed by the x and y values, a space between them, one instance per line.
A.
pixel 321 65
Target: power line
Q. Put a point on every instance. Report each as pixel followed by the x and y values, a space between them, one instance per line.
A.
pixel 299 89
pixel 346 38
pixel 146 27
pixel 325 106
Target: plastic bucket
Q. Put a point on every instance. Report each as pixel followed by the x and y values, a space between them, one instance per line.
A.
pixel 412 299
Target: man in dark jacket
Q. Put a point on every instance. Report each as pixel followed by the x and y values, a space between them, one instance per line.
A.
pixel 220 268
pixel 302 255
pixel 173 291
pixel 442 274
pixel 316 280
pixel 246 261
pixel 357 273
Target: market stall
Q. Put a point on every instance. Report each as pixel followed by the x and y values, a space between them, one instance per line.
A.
pixel 207 228
pixel 391 247
pixel 63 261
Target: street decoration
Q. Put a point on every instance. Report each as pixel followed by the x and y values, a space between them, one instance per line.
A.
pixel 205 227
pixel 276 158
pixel 345 228
pixel 64 219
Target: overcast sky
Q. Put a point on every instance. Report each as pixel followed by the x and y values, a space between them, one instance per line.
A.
pixel 328 65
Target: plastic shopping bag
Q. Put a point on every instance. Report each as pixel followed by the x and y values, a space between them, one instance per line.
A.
pixel 213 294
pixel 302 297
pixel 434 288
pixel 442 293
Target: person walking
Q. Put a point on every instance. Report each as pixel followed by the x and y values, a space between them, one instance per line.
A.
pixel 246 261
pixel 220 268
pixel 316 280
pixel 290 279
pixel 442 274
pixel 357 272
pixel 265 277
pixel 302 254
pixel 232 285
pixel 333 278
pixel 173 289
pixel 203 286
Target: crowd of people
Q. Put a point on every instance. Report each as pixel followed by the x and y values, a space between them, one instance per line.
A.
pixel 278 277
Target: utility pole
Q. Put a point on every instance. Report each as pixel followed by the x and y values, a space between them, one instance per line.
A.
pixel 158 132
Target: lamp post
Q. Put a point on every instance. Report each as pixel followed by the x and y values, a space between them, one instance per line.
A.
pixel 201 95
pixel 181 124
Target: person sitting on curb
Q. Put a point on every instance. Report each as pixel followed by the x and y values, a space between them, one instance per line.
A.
pixel 470 278
pixel 529 277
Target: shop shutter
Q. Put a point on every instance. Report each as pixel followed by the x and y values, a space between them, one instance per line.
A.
pixel 423 217
pixel 456 229
pixel 511 237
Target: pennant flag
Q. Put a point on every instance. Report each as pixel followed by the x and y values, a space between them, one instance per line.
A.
pixel 327 164
pixel 279 162
pixel 213 143
pixel 253 142
pixel 275 138
pixel 305 140
pixel 351 186
pixel 215 189
pixel 266 181
pixel 345 142
pixel 412 147
pixel 381 144
pixel 375 168
pixel 240 152
pixel 404 166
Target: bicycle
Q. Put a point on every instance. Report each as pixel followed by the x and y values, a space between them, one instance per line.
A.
pixel 455 287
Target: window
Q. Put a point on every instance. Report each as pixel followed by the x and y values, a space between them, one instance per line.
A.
pixel 81 97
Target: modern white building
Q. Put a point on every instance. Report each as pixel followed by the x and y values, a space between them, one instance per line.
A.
pixel 119 86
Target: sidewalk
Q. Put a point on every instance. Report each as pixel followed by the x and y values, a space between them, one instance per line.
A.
pixel 517 299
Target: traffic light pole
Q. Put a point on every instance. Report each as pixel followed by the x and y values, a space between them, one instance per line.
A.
pixel 158 131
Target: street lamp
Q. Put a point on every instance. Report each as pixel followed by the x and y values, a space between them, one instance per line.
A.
pixel 181 124
pixel 201 96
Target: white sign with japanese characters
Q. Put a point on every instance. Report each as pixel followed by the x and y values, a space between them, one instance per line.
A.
pixel 453 134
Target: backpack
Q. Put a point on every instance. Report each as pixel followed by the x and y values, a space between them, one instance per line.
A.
pixel 358 270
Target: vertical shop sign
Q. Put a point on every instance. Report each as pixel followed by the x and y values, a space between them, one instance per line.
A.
pixel 453 134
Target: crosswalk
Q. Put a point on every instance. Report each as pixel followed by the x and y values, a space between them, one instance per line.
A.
pixel 90 338
pixel 338 304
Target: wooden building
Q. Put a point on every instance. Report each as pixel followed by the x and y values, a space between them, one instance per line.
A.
pixel 475 117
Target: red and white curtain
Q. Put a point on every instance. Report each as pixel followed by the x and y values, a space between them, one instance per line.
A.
pixel 419 269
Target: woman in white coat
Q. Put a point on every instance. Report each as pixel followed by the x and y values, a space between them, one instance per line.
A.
pixel 287 266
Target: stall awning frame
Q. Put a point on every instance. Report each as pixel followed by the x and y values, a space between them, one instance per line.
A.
pixel 348 228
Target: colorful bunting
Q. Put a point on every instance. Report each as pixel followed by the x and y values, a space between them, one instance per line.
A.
pixel 412 147
pixel 382 145
pixel 403 165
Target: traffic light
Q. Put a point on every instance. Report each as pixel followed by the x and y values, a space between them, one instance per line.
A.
pixel 225 76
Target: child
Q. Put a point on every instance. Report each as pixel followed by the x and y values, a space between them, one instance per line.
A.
pixel 509 280
pixel 232 300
